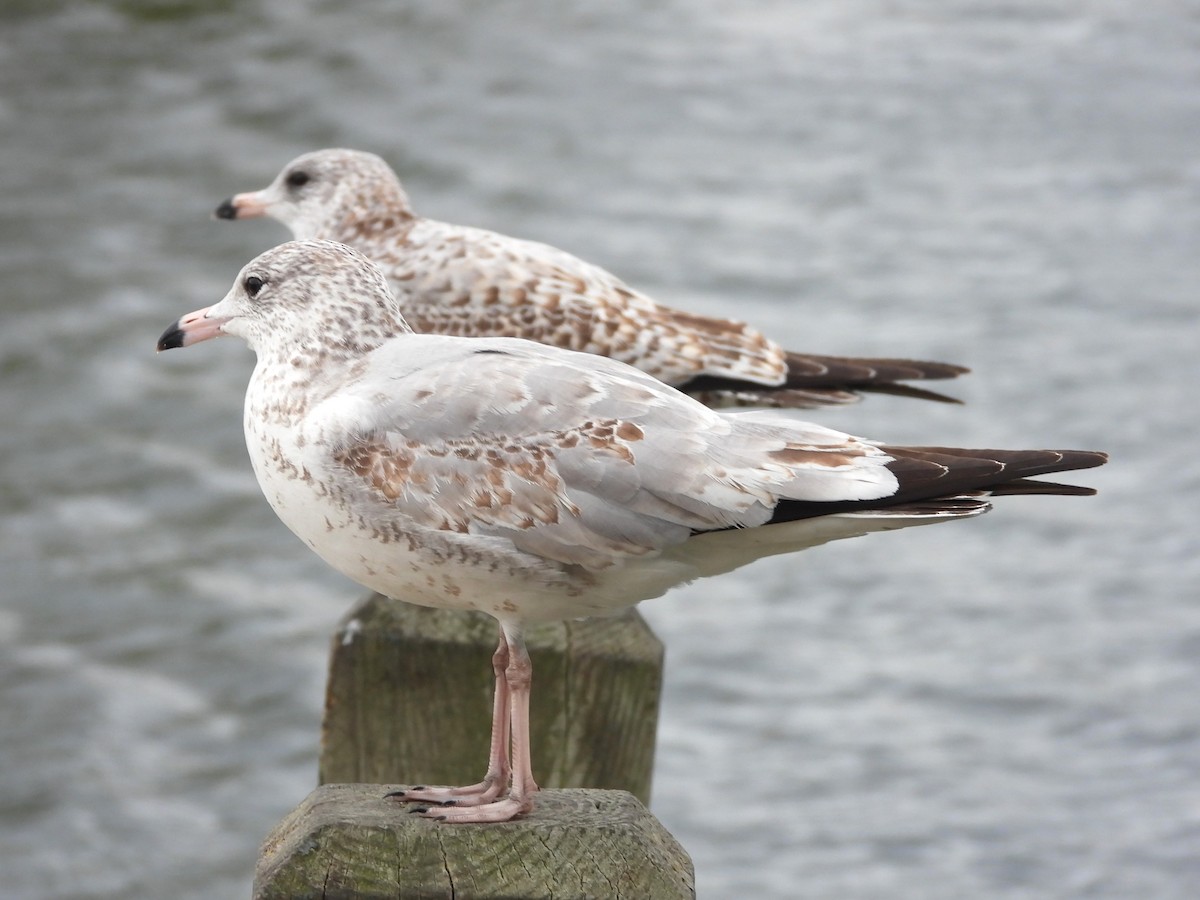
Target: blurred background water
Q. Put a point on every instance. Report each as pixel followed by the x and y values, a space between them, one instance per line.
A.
pixel 1005 708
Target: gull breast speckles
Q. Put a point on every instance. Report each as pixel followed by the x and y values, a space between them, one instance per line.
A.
pixel 536 483
pixel 470 282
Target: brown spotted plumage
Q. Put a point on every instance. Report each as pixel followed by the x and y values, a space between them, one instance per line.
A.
pixel 535 483
pixel 474 283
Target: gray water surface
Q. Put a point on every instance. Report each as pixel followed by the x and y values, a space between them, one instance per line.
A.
pixel 1004 708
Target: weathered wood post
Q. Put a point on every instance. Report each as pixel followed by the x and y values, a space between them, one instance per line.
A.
pixel 409 698
pixel 409 701
pixel 345 842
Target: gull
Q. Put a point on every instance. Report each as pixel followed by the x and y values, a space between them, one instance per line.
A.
pixel 470 282
pixel 535 483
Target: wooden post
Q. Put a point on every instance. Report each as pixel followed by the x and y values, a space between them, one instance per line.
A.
pixel 346 842
pixel 409 698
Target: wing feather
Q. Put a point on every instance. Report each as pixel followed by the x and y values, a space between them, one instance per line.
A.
pixel 467 281
pixel 578 459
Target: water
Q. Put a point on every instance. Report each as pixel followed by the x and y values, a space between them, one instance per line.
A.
pixel 1003 709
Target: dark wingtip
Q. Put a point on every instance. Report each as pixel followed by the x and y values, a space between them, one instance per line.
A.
pixel 908 390
pixel 226 210
pixel 1033 486
pixel 171 338
pixel 1082 459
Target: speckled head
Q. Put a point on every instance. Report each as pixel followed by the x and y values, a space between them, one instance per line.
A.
pixel 302 296
pixel 327 194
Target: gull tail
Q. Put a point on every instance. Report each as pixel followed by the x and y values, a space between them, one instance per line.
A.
pixel 815 381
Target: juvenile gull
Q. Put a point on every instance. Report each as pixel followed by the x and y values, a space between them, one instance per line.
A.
pixel 470 282
pixel 535 483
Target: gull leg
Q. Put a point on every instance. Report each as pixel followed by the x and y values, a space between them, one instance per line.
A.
pixel 518 676
pixel 498 772
pixel 519 681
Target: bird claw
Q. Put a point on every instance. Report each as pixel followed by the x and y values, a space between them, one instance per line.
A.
pixel 486 805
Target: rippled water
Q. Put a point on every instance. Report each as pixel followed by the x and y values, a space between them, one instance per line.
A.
pixel 1006 708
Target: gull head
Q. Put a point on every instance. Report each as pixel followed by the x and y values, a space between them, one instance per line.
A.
pixel 302 294
pixel 325 194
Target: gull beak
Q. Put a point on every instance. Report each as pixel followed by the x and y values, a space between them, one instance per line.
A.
pixel 192 329
pixel 242 206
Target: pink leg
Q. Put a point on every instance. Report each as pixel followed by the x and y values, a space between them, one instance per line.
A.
pixel 498 772
pixel 523 785
pixel 517 677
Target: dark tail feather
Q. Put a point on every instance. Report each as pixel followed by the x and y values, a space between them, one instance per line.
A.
pixel 815 381
pixel 907 390
pixel 1028 486
pixel 1014 463
pixel 878 376
pixel 808 370
pixel 935 474
pixel 932 471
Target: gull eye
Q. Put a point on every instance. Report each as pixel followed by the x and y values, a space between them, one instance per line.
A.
pixel 299 178
pixel 253 285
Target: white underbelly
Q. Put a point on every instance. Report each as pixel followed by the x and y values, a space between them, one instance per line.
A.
pixel 452 571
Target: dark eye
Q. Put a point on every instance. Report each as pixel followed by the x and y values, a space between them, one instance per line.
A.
pixel 299 178
pixel 253 285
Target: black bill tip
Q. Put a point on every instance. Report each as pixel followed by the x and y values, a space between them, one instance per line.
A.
pixel 226 210
pixel 171 338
